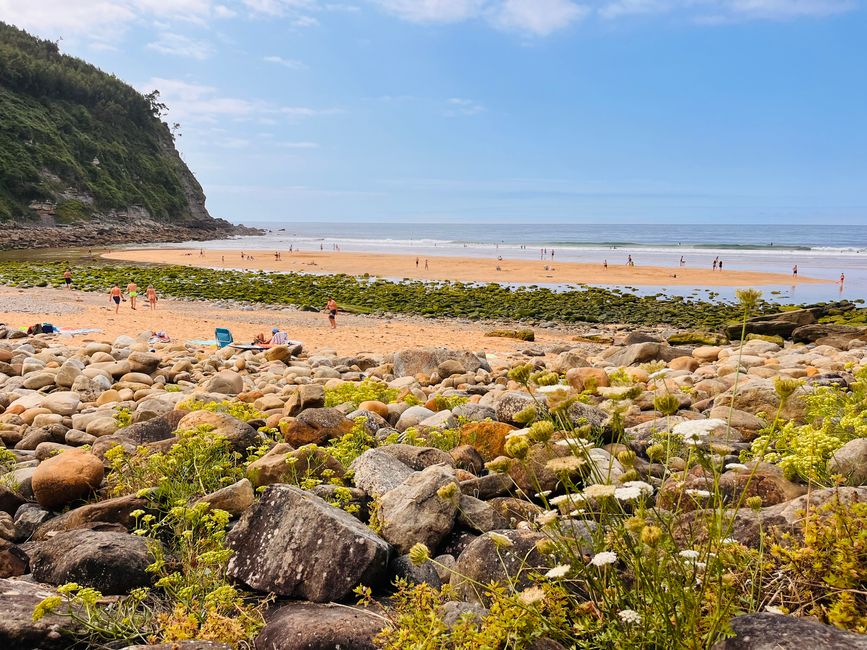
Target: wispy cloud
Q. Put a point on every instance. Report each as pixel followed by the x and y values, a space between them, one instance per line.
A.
pixel 433 11
pixel 537 17
pixel 179 45
pixel 292 64
pixel 458 106
pixel 192 102
pixel 729 10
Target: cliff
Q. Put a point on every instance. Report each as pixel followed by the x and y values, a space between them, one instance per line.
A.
pixel 84 156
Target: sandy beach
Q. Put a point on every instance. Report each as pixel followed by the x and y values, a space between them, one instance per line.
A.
pixel 186 321
pixel 460 268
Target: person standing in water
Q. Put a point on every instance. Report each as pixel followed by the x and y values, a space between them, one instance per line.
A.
pixel 331 308
pixel 132 291
pixel 151 295
pixel 115 295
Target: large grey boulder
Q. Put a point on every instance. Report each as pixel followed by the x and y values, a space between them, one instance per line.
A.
pixel 18 630
pixel 308 626
pixel 643 352
pixel 418 509
pixel 113 563
pixel 239 434
pixel 426 361
pixel 850 461
pixel 767 631
pixel 483 561
pixel 376 471
pixel 294 544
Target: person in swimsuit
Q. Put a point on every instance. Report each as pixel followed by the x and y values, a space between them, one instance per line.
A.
pixel 132 291
pixel 151 294
pixel 67 278
pixel 795 271
pixel 115 295
pixel 331 307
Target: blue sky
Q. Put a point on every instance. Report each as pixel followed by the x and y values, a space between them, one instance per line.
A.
pixel 729 111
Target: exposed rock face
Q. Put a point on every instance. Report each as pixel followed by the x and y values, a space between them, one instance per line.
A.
pixel 642 352
pixel 416 510
pixel 112 563
pixel 376 471
pixel 110 511
pixel 295 544
pixel 305 626
pixel 850 461
pixel 239 434
pixel 766 631
pixel 316 426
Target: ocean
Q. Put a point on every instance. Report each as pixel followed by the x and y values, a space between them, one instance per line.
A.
pixel 823 251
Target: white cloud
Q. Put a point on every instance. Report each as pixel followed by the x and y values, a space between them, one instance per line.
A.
pixel 179 45
pixel 433 11
pixel 192 102
pixel 538 17
pixel 458 106
pixel 278 7
pixel 305 21
pixel 292 64
pixel 222 11
pixel 722 11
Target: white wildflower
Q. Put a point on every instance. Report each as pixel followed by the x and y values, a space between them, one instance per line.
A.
pixel 517 433
pixel 574 442
pixel 629 616
pixel 659 373
pixel 698 494
pixel 563 498
pixel 689 554
pixel 645 488
pixel 773 609
pixel 603 558
pixel 531 595
pixel 556 388
pixel 697 429
pixel 547 517
pixel 558 571
pixel 737 466
pixel 729 540
pixel 567 464
pixel 542 495
pixel 599 490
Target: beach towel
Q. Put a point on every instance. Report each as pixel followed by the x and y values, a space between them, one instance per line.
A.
pixel 212 342
pixel 72 331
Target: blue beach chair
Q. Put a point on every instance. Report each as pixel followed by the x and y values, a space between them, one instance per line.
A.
pixel 223 336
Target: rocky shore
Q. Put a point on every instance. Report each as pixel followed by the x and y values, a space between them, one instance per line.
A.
pixel 101 233
pixel 431 465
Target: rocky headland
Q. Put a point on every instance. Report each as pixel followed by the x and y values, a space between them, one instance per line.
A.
pixel 223 498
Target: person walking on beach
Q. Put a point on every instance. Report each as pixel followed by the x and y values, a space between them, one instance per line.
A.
pixel 629 261
pixel 331 308
pixel 605 265
pixel 151 295
pixel 132 291
pixel 795 271
pixel 115 295
pixel 67 278
pixel 714 263
pixel 720 265
pixel 425 264
pixel 682 261
pixel 416 262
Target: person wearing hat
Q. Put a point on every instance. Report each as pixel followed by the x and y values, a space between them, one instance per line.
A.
pixel 278 337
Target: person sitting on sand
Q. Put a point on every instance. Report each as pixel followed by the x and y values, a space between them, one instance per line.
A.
pixel 278 337
pixel 115 295
pixel 331 308
pixel 132 291
pixel 151 295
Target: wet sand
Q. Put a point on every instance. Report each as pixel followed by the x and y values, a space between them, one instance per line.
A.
pixel 461 268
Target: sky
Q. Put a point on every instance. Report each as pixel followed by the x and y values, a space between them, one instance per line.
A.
pixel 476 111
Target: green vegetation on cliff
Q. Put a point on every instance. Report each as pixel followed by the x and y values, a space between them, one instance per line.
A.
pixel 70 132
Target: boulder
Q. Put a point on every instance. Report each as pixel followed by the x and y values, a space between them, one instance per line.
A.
pixel 565 361
pixel 316 426
pixel 294 544
pixel 838 333
pixel 418 458
pixel 114 511
pixel 425 361
pixel 144 362
pixel 62 403
pixel 417 511
pixel 850 461
pixel 225 382
pixel 482 562
pixel 113 563
pixel 585 378
pixel 309 626
pixel 239 434
pixel 479 515
pixel 307 396
pixel 376 471
pixel 767 631
pixel 234 498
pixel 155 429
pixel 10 501
pixel 65 478
pixel 13 561
pixel 488 438
pixel 511 403
pixel 412 417
pixel 18 630
pixel 638 353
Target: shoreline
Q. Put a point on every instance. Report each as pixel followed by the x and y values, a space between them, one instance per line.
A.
pixel 453 268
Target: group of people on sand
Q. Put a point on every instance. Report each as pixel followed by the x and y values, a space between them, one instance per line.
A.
pixel 116 296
